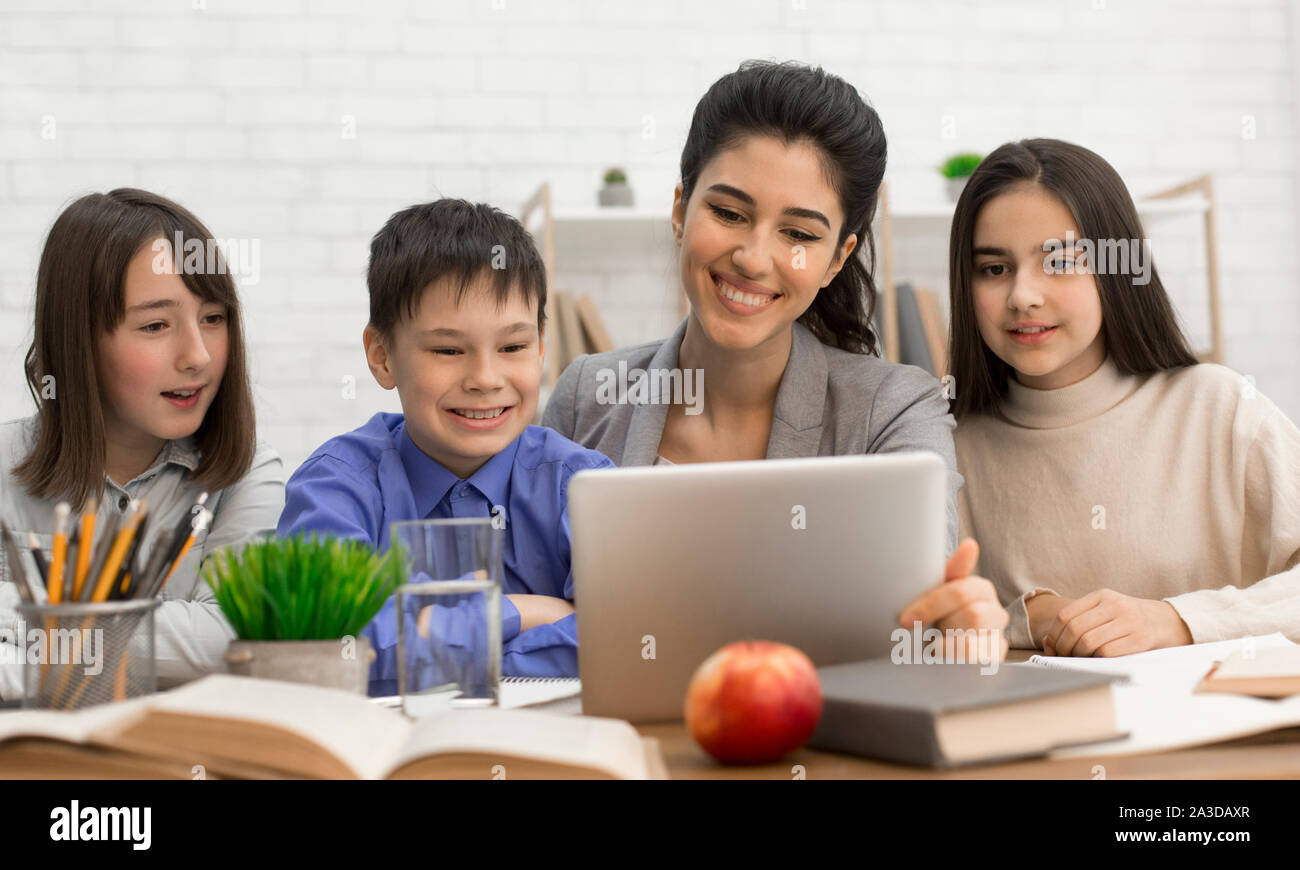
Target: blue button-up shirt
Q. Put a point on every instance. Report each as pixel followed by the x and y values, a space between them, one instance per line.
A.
pixel 358 484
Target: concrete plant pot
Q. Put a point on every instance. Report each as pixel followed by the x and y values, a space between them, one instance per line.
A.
pixel 318 662
pixel 616 195
pixel 955 186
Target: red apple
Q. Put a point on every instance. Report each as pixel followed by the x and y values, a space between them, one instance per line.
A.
pixel 753 702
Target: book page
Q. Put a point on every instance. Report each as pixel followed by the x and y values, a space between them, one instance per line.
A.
pixel 71 727
pixel 581 741
pixel 362 735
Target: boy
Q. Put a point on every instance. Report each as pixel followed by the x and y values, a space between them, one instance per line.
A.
pixel 457 302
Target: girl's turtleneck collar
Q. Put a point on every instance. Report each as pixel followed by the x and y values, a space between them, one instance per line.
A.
pixel 1066 406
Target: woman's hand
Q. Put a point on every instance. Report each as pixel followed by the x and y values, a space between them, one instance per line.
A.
pixel 1110 623
pixel 963 601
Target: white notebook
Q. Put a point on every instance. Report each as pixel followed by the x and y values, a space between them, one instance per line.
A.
pixel 1156 704
pixel 1172 667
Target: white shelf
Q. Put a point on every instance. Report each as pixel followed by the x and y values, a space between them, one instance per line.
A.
pixel 597 214
pixel 1183 205
pixel 1186 205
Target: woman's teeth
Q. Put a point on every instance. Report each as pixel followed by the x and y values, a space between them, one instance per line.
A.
pixel 743 298
pixel 479 415
pixel 1030 330
pixel 181 394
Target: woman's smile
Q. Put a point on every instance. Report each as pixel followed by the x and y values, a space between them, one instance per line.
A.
pixel 740 296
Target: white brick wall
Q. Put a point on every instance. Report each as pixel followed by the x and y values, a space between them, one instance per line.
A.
pixel 238 110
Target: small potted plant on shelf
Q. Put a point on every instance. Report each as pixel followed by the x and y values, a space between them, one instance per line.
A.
pixel 616 190
pixel 957 169
pixel 298 605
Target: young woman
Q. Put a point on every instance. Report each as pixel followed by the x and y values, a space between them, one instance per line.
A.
pixel 141 392
pixel 1127 497
pixel 780 175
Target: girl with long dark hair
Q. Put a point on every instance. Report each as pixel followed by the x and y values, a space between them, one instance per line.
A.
pixel 1128 497
pixel 138 374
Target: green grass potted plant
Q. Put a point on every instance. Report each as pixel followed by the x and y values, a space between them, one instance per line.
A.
pixel 616 190
pixel 298 606
pixel 957 170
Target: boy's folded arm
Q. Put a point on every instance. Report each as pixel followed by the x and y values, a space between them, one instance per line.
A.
pixel 549 650
pixel 535 610
pixel 421 619
pixel 546 650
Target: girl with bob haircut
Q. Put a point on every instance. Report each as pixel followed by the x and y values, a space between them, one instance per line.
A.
pixel 1128 497
pixel 141 388
pixel 780 176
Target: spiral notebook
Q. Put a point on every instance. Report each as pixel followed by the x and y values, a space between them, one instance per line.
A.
pixel 535 691
pixel 556 694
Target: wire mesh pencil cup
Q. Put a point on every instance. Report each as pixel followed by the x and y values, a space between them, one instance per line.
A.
pixel 79 655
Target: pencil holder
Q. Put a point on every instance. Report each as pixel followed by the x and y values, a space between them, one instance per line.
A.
pixel 78 655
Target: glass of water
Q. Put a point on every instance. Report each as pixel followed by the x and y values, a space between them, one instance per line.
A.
pixel 449 613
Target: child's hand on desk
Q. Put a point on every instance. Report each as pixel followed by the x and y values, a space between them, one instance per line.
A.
pixel 962 601
pixel 1042 610
pixel 1110 623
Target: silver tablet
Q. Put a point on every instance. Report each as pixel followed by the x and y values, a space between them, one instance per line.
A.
pixel 672 562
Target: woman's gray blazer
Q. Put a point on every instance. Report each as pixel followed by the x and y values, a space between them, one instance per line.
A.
pixel 830 403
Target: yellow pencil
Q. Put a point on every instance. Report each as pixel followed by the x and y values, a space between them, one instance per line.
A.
pixel 134 513
pixel 200 523
pixel 88 512
pixel 59 552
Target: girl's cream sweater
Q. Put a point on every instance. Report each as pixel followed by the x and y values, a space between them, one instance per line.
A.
pixel 1183 486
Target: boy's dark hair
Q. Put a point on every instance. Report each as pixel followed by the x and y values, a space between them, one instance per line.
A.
pixel 1138 322
pixel 80 296
pixel 455 239
pixel 796 103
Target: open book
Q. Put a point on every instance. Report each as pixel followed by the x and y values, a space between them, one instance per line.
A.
pixel 248 727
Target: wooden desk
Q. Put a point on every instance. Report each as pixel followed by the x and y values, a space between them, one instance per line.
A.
pixel 1274 755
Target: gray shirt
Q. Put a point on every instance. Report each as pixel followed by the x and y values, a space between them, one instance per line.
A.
pixel 191 632
pixel 830 403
